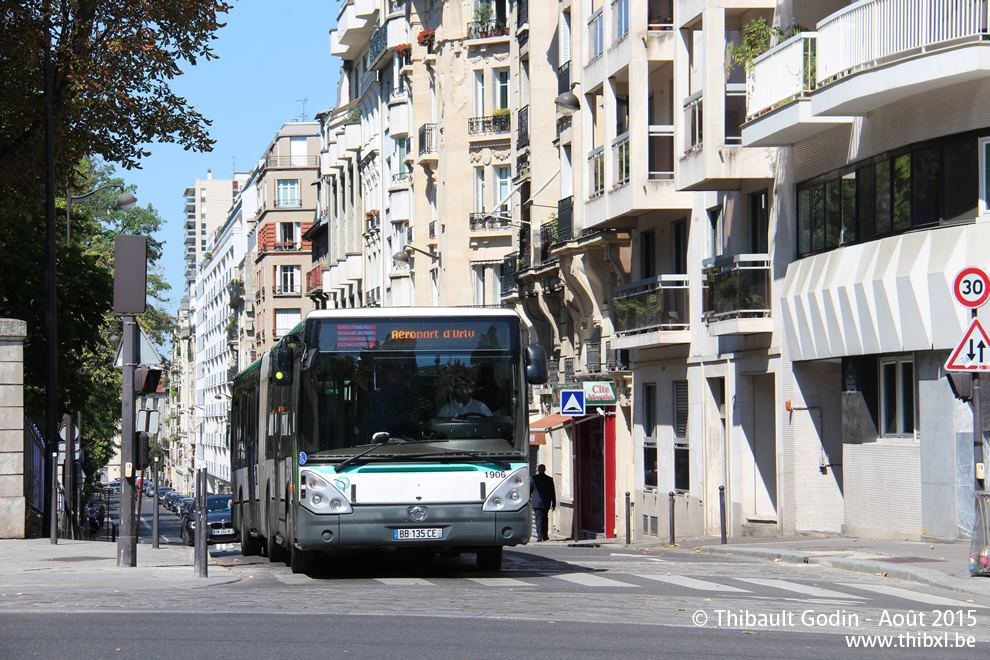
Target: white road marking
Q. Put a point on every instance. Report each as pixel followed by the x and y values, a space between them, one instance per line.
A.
pixel 589 580
pixel 913 595
pixel 656 559
pixel 407 582
pixel 804 589
pixel 501 582
pixel 692 583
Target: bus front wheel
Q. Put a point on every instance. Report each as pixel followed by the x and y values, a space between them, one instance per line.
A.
pixel 250 545
pixel 490 559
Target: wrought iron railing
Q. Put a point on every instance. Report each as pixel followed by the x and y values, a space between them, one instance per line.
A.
pixel 548 238
pixel 401 178
pixel 377 45
pixel 433 229
pixel 564 77
pixel 427 139
pixel 510 266
pixel 487 221
pixel 292 161
pixel 565 219
pixel 522 12
pixel 489 125
pixel 486 29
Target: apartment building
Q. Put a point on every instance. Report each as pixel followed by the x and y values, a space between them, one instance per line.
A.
pixel 206 204
pixel 280 256
pixel 881 160
pixel 216 331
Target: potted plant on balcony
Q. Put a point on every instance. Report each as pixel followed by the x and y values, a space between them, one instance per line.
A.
pixel 500 118
pixel 426 37
pixel 403 50
pixel 483 18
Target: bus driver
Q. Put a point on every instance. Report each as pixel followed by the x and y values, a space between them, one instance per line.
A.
pixel 461 404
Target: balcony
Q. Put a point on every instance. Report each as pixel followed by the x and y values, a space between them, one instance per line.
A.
pixel 291 289
pixel 314 280
pixel 510 266
pixel 286 162
pixel 376 48
pixel 488 221
pixel 487 29
pixel 428 141
pixel 652 312
pixel 236 289
pixel 736 299
pixel 867 55
pixel 490 125
pixel 522 13
pixel 564 77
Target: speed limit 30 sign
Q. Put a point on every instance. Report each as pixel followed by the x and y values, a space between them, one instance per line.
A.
pixel 971 288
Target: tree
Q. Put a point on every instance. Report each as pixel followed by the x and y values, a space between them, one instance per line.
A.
pixel 111 67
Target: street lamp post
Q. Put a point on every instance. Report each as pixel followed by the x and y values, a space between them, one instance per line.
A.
pixel 125 202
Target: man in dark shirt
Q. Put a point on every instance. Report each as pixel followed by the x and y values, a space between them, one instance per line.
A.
pixel 544 498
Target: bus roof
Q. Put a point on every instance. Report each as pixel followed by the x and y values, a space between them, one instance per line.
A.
pixel 413 312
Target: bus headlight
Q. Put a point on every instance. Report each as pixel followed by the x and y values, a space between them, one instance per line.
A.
pixel 511 494
pixel 320 496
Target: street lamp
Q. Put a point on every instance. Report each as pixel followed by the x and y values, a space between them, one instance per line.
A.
pixel 125 202
pixel 405 254
pixel 568 102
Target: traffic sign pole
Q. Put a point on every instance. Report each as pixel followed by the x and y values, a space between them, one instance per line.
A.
pixel 977 424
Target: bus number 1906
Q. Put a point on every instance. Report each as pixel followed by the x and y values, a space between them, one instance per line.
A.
pixel 494 475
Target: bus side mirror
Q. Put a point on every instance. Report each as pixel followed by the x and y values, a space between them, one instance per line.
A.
pixel 536 365
pixel 283 359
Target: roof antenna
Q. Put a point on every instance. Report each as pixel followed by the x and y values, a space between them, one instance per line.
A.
pixel 302 115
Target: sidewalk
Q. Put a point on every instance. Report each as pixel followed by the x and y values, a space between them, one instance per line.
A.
pixel 26 563
pixel 938 564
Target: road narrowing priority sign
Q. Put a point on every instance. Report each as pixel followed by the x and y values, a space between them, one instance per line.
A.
pixel 973 352
pixel 971 287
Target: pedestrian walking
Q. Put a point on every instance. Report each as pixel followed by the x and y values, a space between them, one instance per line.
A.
pixel 91 522
pixel 101 516
pixel 543 495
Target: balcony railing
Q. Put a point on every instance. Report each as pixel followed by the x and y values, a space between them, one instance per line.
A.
pixel 486 29
pixel 488 221
pixel 396 6
pixel 565 219
pixel 867 33
pixel 236 293
pixel 510 266
pixel 693 117
pixel 279 246
pixel 427 139
pixel 401 178
pixel 287 289
pixel 522 127
pixel 292 161
pixel 378 41
pixel 314 279
pixel 782 74
pixel 490 125
pixel 737 287
pixel 661 157
pixel 564 77
pixel 433 229
pixel 657 303
pixel 522 12
pixel 548 238
pixel 620 152
pixel 563 123
pixel 596 169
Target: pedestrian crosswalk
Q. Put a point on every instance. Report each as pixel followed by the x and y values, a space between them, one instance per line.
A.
pixel 707 586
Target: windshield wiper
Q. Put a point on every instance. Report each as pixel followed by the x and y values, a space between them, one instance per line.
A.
pixel 353 459
pixel 482 458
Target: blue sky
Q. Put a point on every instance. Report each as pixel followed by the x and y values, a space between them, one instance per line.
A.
pixel 271 54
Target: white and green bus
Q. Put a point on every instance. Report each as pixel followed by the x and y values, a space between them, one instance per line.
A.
pixel 386 428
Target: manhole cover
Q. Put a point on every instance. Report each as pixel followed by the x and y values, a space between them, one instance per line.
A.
pixel 910 560
pixel 77 558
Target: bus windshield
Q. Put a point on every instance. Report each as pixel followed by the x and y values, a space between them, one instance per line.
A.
pixel 414 391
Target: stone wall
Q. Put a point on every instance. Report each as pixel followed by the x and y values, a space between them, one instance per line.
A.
pixel 13 506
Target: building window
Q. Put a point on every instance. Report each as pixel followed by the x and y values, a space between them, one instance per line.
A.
pixel 502 180
pixel 287 279
pixel 648 254
pixel 288 233
pixel 682 452
pixel 287 194
pixel 500 78
pixel 897 397
pixel 759 223
pixel 286 320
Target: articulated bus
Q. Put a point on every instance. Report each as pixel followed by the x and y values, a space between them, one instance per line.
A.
pixel 386 428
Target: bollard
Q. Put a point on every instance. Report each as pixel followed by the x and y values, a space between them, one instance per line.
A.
pixel 672 517
pixel 113 531
pixel 721 507
pixel 628 529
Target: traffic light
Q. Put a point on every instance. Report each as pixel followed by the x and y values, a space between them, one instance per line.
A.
pixel 142 446
pixel 146 380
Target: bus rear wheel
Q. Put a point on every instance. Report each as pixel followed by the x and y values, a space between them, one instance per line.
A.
pixel 490 559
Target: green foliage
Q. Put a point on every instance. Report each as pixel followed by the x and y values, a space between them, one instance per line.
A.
pixel 482 13
pixel 757 38
pixel 87 381
pixel 112 66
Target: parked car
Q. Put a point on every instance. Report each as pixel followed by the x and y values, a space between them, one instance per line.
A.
pixel 171 499
pixel 221 530
pixel 163 492
pixel 183 506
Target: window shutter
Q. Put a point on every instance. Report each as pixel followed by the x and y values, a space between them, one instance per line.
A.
pixel 680 408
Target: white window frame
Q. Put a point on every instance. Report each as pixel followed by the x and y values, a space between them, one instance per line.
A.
pixel 479 189
pixel 284 189
pixel 503 183
pixel 500 88
pixel 289 279
pixel 900 432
